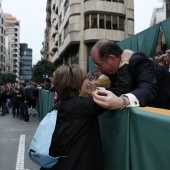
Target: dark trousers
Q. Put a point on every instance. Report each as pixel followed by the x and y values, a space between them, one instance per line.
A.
pixel 32 103
pixel 3 105
pixel 15 108
pixel 24 111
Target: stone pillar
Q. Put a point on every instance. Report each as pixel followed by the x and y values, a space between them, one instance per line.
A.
pixel 82 47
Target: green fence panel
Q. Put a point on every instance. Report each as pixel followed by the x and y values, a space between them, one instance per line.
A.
pixel 165 25
pixel 114 126
pixel 44 102
pixel 149 140
pixel 135 139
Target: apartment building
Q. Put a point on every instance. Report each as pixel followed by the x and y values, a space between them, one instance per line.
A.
pixel 8 60
pixel 25 63
pixel 2 43
pixel 73 26
pixel 45 52
pixel 13 32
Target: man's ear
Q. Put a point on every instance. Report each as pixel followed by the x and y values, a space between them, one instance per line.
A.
pixel 112 58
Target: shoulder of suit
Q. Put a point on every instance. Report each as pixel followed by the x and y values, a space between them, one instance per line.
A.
pixel 138 57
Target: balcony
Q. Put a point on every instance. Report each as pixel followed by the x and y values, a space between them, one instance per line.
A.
pixel 48 20
pixel 48 8
pixel 96 34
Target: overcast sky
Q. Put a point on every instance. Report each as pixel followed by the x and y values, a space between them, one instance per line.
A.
pixel 32 16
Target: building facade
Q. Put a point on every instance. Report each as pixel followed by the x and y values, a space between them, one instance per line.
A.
pixel 159 14
pixel 13 32
pixel 8 55
pixel 167 8
pixel 2 43
pixel 25 63
pixel 75 25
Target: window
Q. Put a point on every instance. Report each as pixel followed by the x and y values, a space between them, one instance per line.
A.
pixel 108 21
pixel 121 23
pixel 101 21
pixel 114 23
pixel 66 30
pixel 93 20
pixel 59 39
pixel 59 23
pixel 87 22
pixel 56 28
pixel 66 5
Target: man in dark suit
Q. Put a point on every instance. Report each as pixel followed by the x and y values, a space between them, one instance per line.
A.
pixel 150 82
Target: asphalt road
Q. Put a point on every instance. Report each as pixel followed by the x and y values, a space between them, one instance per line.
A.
pixel 15 139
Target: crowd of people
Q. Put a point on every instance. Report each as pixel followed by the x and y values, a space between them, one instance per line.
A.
pixel 163 59
pixel 21 100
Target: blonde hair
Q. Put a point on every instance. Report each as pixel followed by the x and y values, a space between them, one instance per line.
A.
pixel 102 81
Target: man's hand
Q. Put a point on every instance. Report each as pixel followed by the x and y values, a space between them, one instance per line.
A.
pixel 125 57
pixel 107 99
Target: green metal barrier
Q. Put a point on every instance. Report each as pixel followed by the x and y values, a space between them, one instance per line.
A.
pixel 132 139
pixel 136 139
pixel 44 102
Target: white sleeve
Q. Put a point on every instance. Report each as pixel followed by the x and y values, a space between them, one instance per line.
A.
pixel 134 102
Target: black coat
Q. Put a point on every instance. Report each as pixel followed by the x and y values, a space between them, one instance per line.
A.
pixel 3 96
pixel 77 135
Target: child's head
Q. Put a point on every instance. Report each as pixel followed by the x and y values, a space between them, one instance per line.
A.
pixel 68 81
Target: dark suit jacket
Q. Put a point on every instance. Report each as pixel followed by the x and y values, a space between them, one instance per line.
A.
pixel 150 82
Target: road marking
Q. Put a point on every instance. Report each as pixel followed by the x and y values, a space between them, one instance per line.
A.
pixel 21 154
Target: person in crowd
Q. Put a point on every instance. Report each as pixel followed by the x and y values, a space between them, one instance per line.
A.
pixel 15 102
pixel 162 61
pixel 3 99
pixel 91 76
pixel 33 100
pixel 47 84
pixel 23 102
pixel 167 59
pixel 156 58
pixel 101 80
pixel 150 82
pixel 9 92
pixel 77 134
